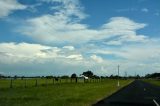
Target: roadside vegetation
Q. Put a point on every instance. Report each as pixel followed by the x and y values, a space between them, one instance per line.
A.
pixel 75 90
pixel 153 81
pixel 58 94
pixel 153 78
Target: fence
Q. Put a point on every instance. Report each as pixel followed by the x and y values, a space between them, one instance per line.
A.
pixel 35 82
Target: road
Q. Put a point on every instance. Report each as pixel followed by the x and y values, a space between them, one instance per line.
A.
pixel 138 93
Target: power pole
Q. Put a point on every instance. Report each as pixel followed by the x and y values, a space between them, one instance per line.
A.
pixel 118 77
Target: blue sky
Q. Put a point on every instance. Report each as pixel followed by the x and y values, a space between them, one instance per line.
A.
pixel 57 37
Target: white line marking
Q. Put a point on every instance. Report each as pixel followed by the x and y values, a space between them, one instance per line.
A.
pixel 156 102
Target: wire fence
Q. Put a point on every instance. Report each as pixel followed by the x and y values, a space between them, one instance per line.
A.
pixel 35 82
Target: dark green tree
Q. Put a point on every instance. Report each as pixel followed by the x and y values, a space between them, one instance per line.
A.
pixel 73 75
pixel 65 77
pixel 88 73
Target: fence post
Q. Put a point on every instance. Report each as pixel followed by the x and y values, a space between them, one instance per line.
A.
pixel 11 85
pixel 76 79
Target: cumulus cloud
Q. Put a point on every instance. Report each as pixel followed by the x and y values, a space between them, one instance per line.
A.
pixel 96 58
pixel 123 23
pixel 20 57
pixel 75 57
pixel 8 6
pixel 57 29
pixel 64 26
pixel 12 52
pixel 25 52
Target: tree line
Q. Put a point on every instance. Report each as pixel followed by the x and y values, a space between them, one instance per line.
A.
pixel 88 74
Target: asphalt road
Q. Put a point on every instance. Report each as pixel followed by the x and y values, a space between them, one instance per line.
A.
pixel 138 93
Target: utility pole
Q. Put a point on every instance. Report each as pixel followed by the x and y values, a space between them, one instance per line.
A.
pixel 118 77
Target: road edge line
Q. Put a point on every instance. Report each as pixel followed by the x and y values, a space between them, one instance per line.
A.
pixel 156 102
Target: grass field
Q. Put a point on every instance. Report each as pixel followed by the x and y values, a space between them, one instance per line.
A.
pixel 153 81
pixel 59 94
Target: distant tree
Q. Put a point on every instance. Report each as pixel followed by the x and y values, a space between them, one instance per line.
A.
pixel 102 77
pixel 49 77
pixel 137 77
pixel 88 73
pixel 147 76
pixel 106 76
pixel 15 77
pixel 22 77
pixel 154 75
pixel 95 76
pixel 64 77
pixel 114 77
pixel 1 76
pixel 42 77
pixel 73 75
pixel 8 76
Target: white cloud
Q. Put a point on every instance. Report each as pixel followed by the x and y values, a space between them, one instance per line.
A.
pixel 25 56
pixel 63 26
pixel 138 58
pixel 25 52
pixel 114 42
pixel 144 10
pixel 75 57
pixel 138 53
pixel 12 52
pixel 96 58
pixel 68 8
pixel 58 29
pixel 123 23
pixel 69 47
pixel 8 6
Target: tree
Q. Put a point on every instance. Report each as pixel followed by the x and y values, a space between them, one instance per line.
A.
pixel 95 76
pixel 49 77
pixel 22 77
pixel 15 77
pixel 153 75
pixel 73 75
pixel 64 77
pixel 88 73
pixel 1 76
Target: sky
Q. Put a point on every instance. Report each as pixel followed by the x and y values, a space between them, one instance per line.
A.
pixel 61 37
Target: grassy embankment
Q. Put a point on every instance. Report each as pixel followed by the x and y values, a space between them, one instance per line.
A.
pixel 153 81
pixel 59 94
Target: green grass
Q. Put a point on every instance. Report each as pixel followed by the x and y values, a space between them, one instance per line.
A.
pixel 59 94
pixel 153 81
